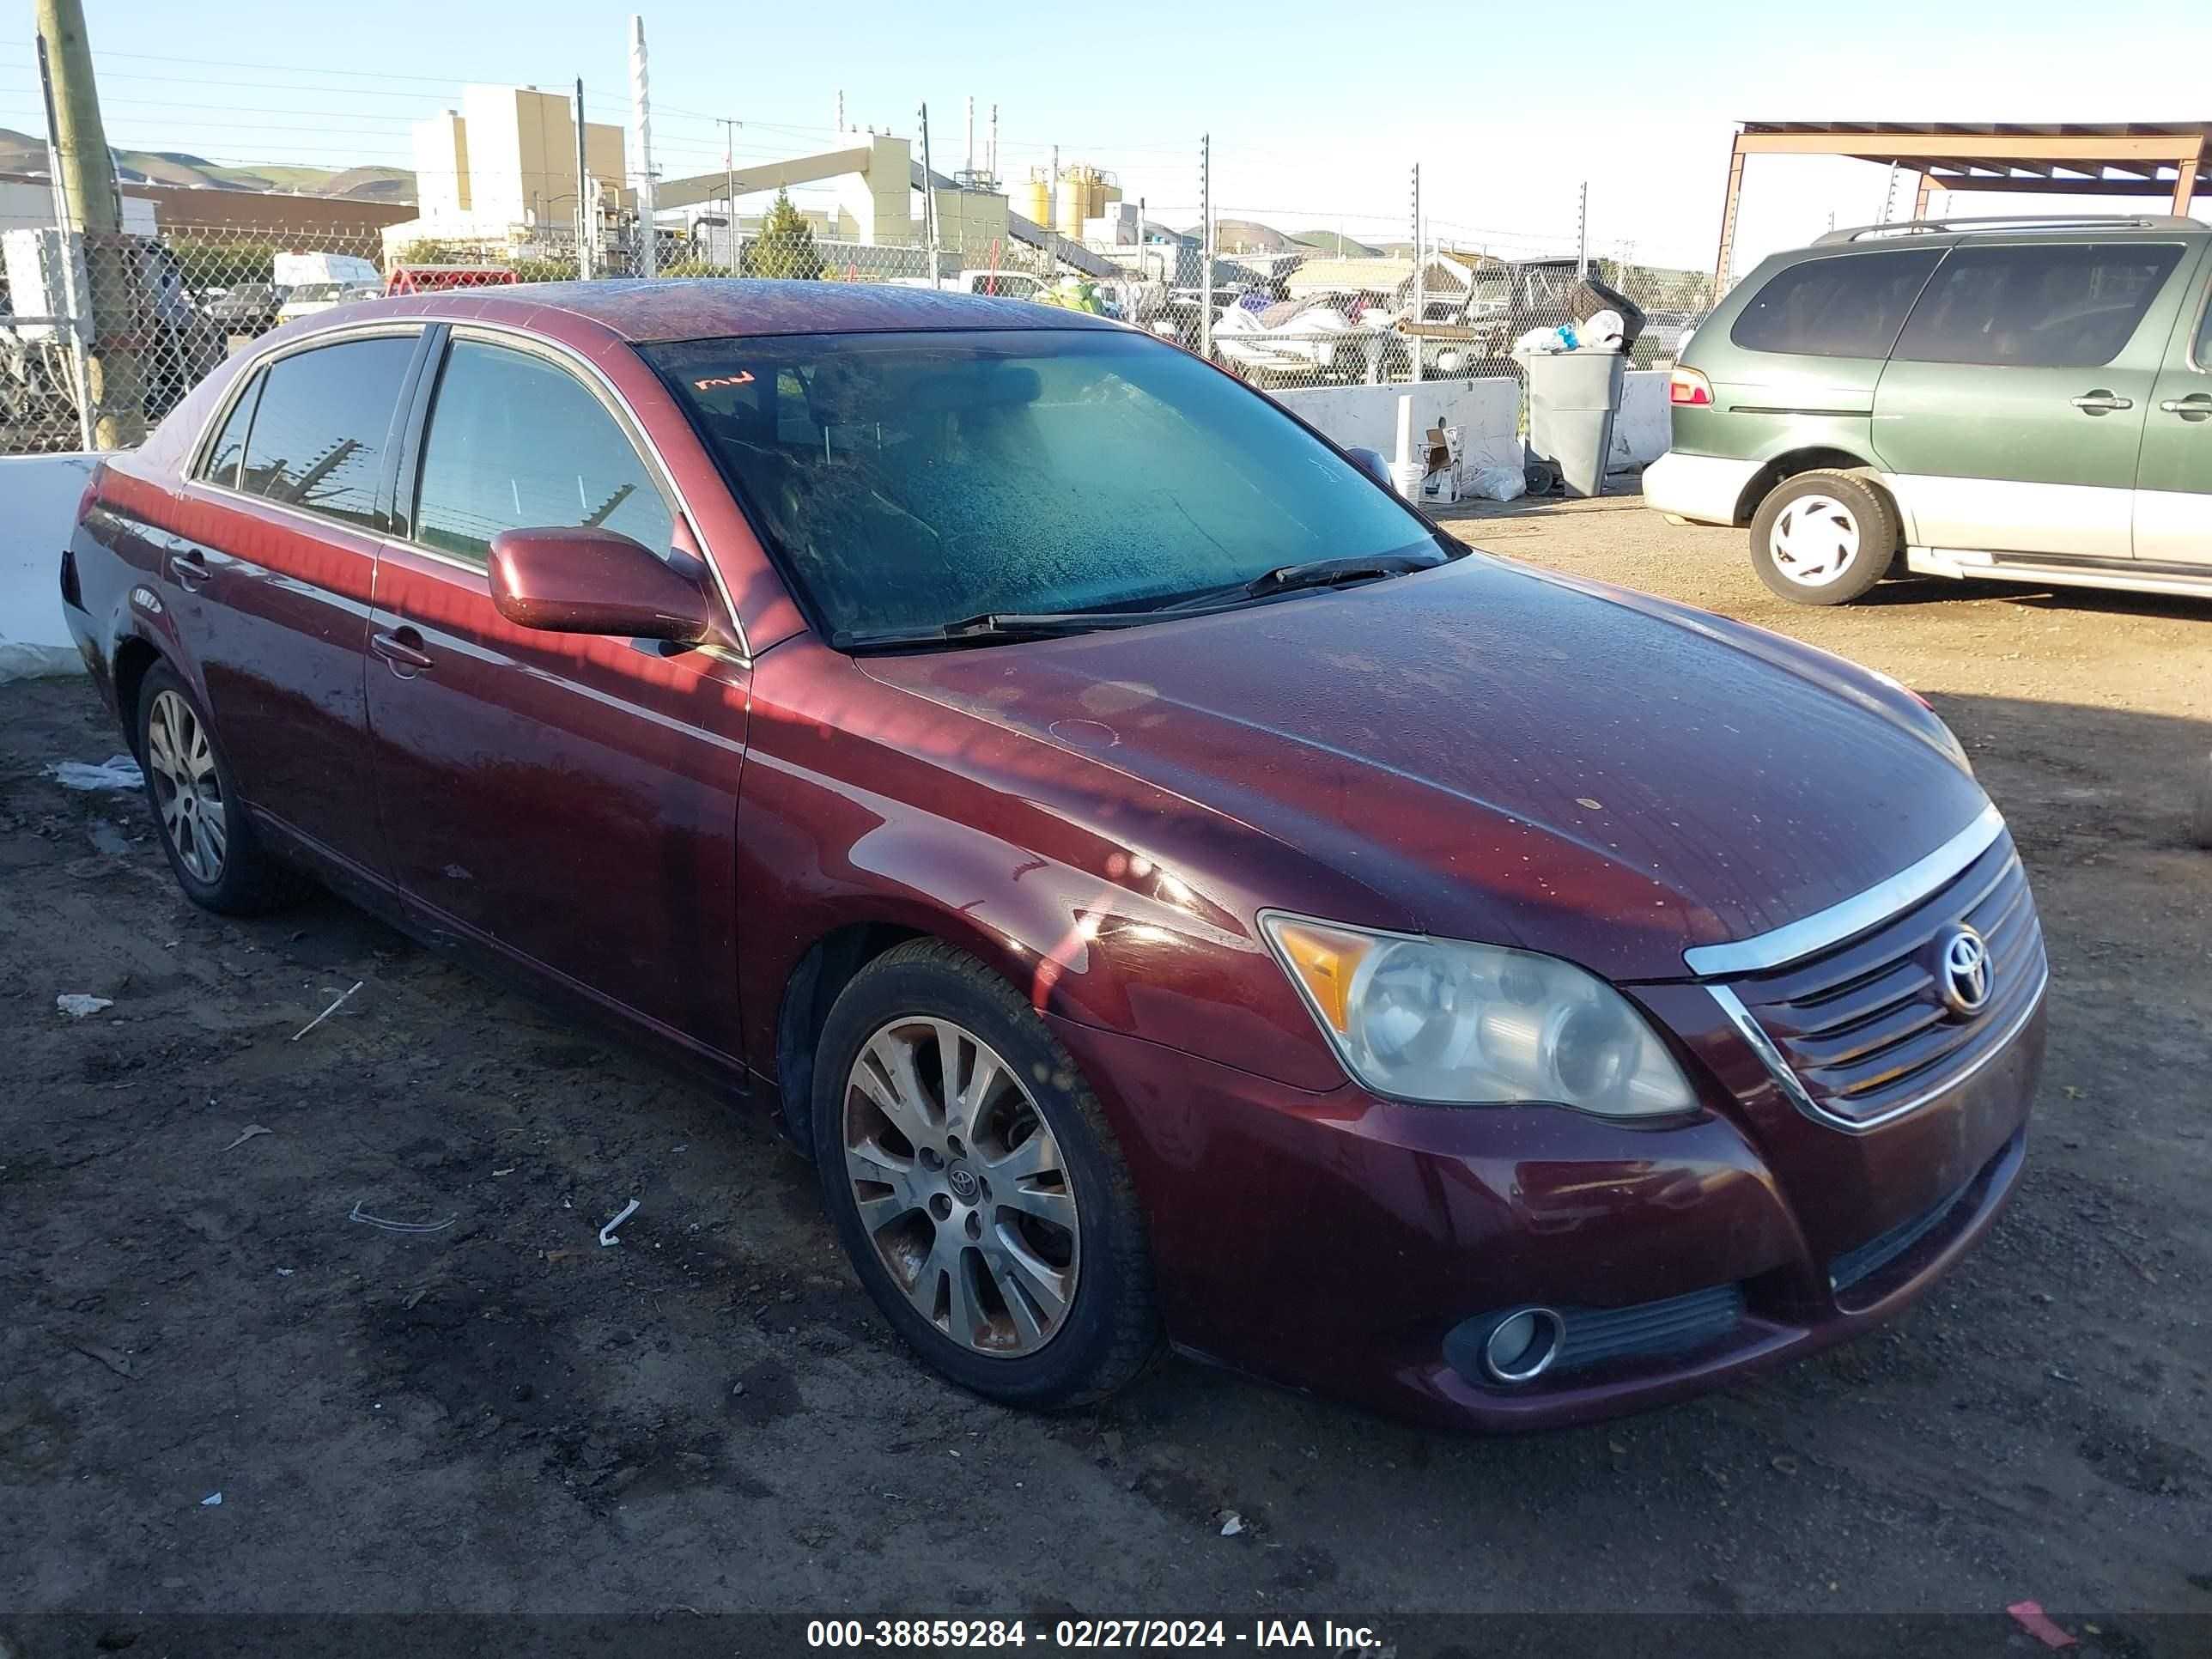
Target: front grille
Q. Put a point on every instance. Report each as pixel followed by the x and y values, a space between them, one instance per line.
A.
pixel 1864 1029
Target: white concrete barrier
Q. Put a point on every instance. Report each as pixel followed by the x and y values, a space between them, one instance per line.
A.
pixel 38 512
pixel 1487 410
pixel 1643 430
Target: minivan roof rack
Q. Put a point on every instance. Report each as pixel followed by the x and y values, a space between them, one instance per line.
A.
pixel 2014 222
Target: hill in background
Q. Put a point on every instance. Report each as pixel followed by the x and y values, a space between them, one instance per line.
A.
pixel 21 152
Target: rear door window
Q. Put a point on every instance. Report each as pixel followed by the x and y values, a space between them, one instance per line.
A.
pixel 228 448
pixel 518 443
pixel 2065 305
pixel 1847 306
pixel 319 433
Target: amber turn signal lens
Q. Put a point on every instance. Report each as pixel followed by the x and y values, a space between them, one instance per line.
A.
pixel 1325 961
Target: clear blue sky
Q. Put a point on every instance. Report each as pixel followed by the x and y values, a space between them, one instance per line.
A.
pixel 1317 111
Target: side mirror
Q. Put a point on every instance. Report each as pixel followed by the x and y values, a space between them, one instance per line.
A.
pixel 1370 462
pixel 594 581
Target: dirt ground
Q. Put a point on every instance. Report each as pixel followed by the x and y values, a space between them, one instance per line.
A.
pixel 502 1415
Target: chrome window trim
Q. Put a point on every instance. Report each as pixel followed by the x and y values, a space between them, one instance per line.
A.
pixel 1793 1086
pixel 253 361
pixel 610 395
pixel 1812 934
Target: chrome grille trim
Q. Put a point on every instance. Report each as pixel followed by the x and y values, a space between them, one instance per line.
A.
pixel 1854 915
pixel 1794 1090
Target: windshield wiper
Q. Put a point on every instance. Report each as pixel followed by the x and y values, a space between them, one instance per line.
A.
pixel 1337 573
pixel 989 627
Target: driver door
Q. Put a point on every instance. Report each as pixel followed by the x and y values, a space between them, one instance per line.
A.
pixel 569 800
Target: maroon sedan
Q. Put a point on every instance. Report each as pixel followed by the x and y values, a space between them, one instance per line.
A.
pixel 1172 891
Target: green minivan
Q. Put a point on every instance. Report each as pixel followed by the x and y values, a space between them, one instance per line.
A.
pixel 2021 398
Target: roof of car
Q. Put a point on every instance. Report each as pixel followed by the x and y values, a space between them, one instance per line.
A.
pixel 691 308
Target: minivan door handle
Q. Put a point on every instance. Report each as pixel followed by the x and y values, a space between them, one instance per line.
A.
pixel 2196 406
pixel 403 649
pixel 189 569
pixel 2101 402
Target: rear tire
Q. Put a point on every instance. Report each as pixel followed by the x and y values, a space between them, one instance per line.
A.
pixel 204 826
pixel 1823 537
pixel 1001 1236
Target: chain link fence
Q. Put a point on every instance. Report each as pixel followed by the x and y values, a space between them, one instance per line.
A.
pixel 94 327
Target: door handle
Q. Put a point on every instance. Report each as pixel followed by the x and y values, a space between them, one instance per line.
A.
pixel 189 569
pixel 2101 402
pixel 403 649
pixel 2196 406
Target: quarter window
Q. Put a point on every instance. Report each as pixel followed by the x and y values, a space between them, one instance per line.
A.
pixel 518 443
pixel 2202 358
pixel 319 431
pixel 1849 305
pixel 2064 305
pixel 228 448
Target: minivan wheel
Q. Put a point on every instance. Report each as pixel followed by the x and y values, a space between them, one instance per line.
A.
pixel 1823 537
pixel 204 830
pixel 976 1185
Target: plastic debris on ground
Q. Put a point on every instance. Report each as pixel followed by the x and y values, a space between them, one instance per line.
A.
pixel 1496 484
pixel 116 771
pixel 607 1232
pixel 77 1004
pixel 1232 1524
pixel 2031 1619
pixel 212 1501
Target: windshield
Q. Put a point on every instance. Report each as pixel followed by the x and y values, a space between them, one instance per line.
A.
pixel 910 480
pixel 318 291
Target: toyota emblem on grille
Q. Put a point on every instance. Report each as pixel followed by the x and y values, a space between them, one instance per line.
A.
pixel 1966 972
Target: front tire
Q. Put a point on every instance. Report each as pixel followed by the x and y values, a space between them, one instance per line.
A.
pixel 1823 537
pixel 976 1185
pixel 204 827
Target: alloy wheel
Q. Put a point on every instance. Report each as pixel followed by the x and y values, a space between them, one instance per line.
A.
pixel 186 786
pixel 961 1187
pixel 1814 541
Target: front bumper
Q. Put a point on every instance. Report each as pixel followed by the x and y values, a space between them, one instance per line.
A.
pixel 1337 1242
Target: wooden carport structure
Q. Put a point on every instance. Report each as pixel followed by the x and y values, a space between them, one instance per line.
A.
pixel 2167 158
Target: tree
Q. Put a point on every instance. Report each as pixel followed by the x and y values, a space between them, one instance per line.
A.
pixel 784 245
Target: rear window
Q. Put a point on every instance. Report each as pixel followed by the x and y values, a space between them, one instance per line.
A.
pixel 229 446
pixel 2066 304
pixel 319 431
pixel 1847 306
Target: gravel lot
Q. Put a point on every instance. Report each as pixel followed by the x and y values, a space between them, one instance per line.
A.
pixel 502 1415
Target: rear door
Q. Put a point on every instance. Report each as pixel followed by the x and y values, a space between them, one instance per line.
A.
pixel 2012 410
pixel 570 798
pixel 2173 481
pixel 274 553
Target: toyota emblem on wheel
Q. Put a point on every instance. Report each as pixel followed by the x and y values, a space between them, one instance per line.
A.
pixel 1966 973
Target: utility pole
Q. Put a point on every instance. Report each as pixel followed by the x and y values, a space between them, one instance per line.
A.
pixel 730 186
pixel 641 104
pixel 994 144
pixel 587 219
pixel 1052 215
pixel 1582 233
pixel 840 112
pixel 928 198
pixel 1889 195
pixel 971 137
pixel 1142 274
pixel 114 385
pixel 1205 246
pixel 1421 275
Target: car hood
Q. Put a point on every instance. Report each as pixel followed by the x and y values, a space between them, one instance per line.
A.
pixel 1503 755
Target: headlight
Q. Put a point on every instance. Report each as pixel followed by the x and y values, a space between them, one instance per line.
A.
pixel 1463 1025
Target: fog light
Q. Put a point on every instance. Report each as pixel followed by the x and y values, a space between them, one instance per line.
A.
pixel 1522 1345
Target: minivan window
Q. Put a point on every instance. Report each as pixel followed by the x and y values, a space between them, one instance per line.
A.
pixel 2059 304
pixel 518 443
pixel 2202 356
pixel 909 481
pixel 228 448
pixel 1845 306
pixel 319 431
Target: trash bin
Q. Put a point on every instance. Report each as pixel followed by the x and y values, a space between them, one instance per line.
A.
pixel 1573 398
